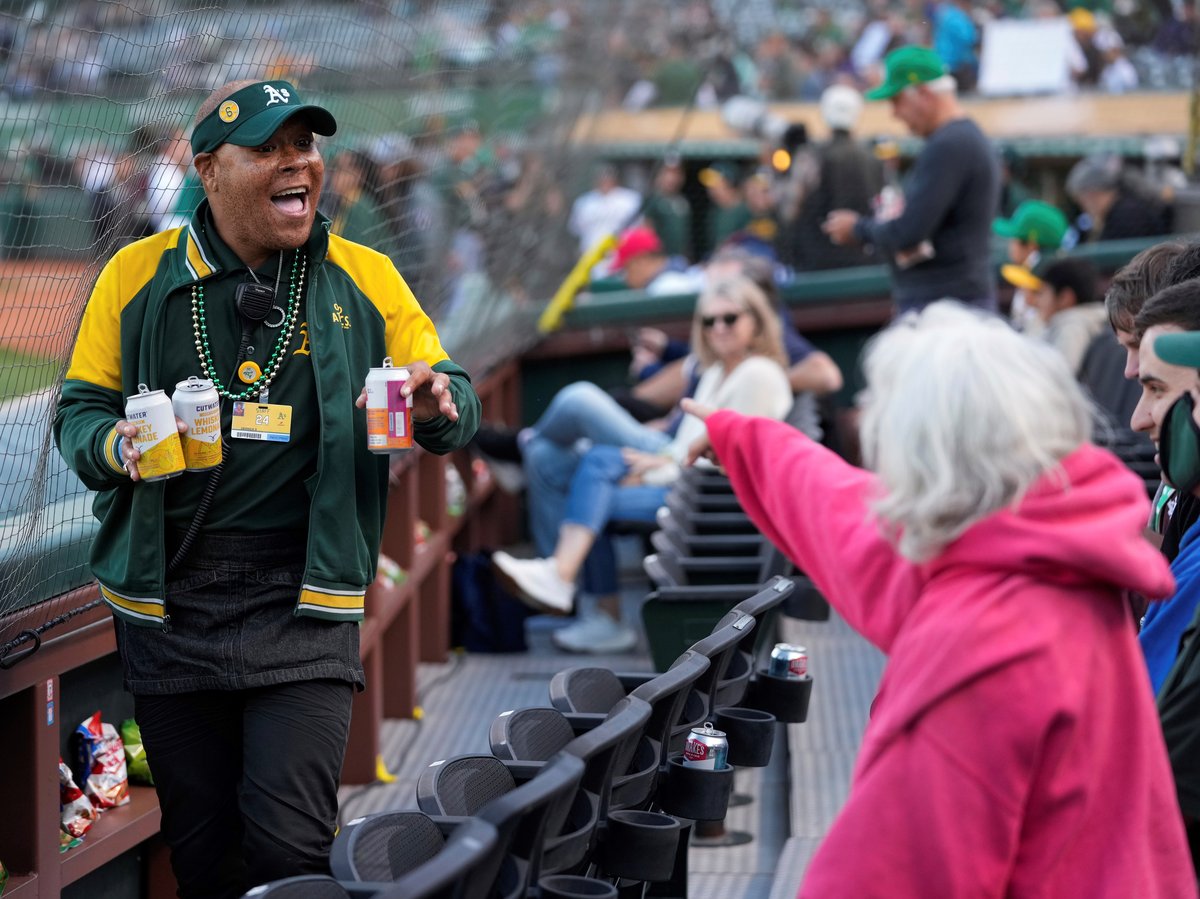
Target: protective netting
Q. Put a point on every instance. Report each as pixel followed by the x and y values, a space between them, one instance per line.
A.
pixel 455 153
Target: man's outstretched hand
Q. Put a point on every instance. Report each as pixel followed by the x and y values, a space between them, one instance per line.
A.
pixel 430 391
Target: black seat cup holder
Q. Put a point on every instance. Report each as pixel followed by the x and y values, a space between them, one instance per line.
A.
pixel 639 845
pixel 572 886
pixel 751 734
pixel 784 697
pixel 701 794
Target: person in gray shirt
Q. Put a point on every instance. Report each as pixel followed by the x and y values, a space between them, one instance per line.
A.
pixel 937 234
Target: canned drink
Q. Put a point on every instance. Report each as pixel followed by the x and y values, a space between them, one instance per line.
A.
pixel 157 436
pixel 196 402
pixel 706 747
pixel 788 661
pixel 389 415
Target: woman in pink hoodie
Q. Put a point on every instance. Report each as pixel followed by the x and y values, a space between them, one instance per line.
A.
pixel 1013 749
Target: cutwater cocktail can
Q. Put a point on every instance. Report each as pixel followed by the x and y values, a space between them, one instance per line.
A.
pixel 389 415
pixel 789 661
pixel 706 747
pixel 196 402
pixel 157 436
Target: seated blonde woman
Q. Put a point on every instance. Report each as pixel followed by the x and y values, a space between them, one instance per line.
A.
pixel 738 341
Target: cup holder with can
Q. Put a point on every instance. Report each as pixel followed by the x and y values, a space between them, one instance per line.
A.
pixel 701 794
pixel 784 697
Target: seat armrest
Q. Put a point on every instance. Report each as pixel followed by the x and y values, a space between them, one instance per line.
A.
pixel 582 722
pixel 523 771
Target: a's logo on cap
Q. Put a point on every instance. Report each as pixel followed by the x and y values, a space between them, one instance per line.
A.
pixel 229 112
pixel 275 95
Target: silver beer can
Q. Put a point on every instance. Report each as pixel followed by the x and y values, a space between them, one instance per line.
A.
pixel 706 747
pixel 788 660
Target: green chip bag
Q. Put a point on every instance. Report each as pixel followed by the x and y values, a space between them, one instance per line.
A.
pixel 135 753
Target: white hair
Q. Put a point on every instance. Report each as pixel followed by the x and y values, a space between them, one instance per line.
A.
pixel 961 415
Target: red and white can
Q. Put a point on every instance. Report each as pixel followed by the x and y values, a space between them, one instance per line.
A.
pixel 389 415
pixel 788 661
pixel 706 747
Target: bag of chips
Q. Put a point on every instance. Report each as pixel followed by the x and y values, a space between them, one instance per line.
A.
pixel 106 781
pixel 135 753
pixel 77 813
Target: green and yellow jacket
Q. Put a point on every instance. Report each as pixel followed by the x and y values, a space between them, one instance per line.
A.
pixel 358 310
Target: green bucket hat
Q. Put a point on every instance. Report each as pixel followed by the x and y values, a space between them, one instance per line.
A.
pixel 249 116
pixel 1034 222
pixel 1181 348
pixel 904 67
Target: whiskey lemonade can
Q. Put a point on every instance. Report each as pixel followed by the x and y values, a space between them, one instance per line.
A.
pixel 389 415
pixel 196 402
pixel 157 437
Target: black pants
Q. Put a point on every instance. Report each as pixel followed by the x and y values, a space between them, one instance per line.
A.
pixel 247 781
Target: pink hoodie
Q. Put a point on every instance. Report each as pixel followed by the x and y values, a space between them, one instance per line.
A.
pixel 1013 748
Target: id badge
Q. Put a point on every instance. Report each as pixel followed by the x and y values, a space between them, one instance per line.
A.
pixel 262 421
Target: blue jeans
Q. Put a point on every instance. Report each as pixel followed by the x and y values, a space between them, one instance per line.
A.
pixel 579 416
pixel 595 498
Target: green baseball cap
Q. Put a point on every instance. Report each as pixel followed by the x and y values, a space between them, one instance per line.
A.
pixel 249 116
pixel 904 67
pixel 1034 222
pixel 1179 348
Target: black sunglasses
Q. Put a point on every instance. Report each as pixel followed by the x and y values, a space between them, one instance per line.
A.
pixel 729 318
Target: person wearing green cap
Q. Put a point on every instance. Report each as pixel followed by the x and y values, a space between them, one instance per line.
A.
pixel 238 591
pixel 939 243
pixel 1034 227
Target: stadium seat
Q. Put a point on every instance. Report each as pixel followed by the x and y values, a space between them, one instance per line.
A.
pixel 586 690
pixel 533 734
pixel 670 536
pixel 705 522
pixel 408 847
pixel 604 750
pixel 522 814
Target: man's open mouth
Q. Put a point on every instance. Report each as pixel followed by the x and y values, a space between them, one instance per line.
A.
pixel 293 201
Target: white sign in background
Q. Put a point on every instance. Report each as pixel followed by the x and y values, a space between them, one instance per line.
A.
pixel 1025 57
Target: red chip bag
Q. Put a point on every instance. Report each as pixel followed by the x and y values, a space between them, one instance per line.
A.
pixel 77 812
pixel 106 781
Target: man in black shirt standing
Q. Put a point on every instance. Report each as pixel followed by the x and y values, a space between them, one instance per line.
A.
pixel 938 235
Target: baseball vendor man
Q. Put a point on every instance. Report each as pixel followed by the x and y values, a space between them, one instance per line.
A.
pixel 237 595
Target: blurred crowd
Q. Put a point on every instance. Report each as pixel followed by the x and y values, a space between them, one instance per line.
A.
pixel 655 54
pixel 468 211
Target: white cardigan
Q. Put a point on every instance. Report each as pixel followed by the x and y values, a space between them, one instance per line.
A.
pixel 757 386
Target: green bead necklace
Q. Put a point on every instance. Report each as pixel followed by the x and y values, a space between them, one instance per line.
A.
pixel 204 351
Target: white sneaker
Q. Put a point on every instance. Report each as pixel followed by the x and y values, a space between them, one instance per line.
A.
pixel 596 633
pixel 535 582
